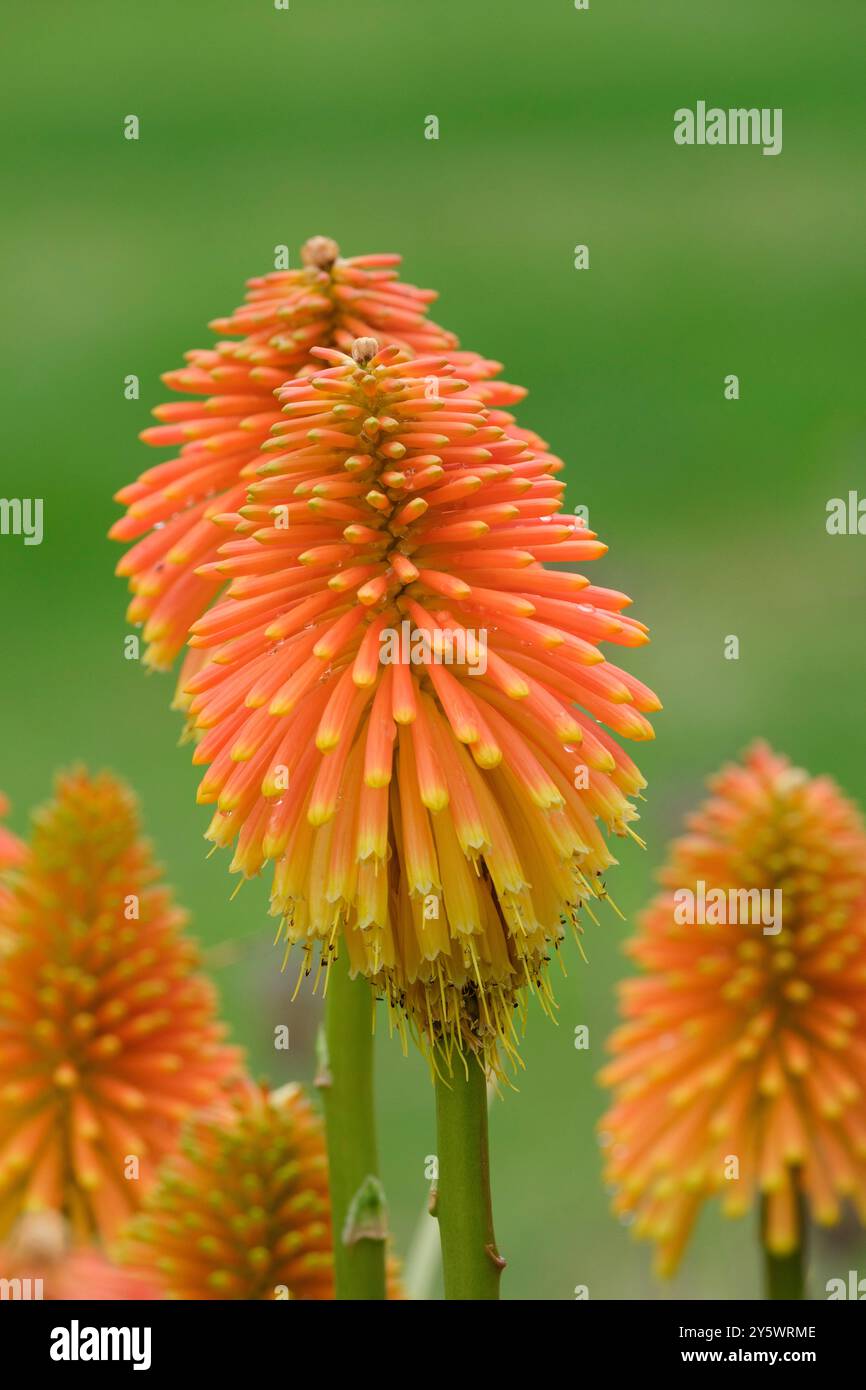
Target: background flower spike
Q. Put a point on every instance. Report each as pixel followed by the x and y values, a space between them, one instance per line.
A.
pixel 242 1212
pixel 108 1034
pixel 740 1069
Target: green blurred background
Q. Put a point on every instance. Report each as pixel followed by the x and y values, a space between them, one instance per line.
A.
pixel 261 127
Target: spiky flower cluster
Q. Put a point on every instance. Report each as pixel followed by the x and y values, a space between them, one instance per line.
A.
pixel 741 1069
pixel 399 703
pixel 107 1030
pixel 241 1212
pixel 438 816
pixel 330 300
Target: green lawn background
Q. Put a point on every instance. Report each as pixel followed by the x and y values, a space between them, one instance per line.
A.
pixel 261 127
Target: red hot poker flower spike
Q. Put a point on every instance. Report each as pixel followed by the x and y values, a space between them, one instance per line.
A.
pixel 744 1039
pixel 388 690
pixel 242 1211
pixel 107 1031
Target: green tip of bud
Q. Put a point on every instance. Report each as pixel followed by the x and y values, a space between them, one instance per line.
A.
pixel 367 1216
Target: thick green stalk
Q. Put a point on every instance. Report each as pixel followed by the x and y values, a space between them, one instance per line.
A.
pixel 784 1275
pixel 471 1263
pixel 345 1077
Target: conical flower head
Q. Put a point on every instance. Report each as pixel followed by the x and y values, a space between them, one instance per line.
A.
pixel 241 1212
pixel 741 1068
pixel 107 1031
pixel 328 301
pixel 388 692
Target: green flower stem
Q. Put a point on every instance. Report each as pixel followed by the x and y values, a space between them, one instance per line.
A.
pixel 471 1262
pixel 358 1212
pixel 784 1275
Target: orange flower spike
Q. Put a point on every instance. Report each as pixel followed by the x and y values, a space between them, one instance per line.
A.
pixel 242 1211
pixel 744 1038
pixel 483 693
pixel 107 1033
pixel 172 508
